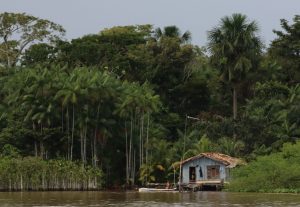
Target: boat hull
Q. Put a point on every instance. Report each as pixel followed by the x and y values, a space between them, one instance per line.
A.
pixel 155 190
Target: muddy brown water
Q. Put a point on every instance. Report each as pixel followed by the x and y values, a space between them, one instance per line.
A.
pixel 152 199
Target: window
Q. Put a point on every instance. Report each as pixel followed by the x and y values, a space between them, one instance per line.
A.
pixel 213 172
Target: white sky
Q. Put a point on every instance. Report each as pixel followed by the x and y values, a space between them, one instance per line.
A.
pixel 80 17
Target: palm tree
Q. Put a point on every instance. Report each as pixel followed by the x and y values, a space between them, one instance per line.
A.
pixel 39 104
pixel 69 95
pixel 135 104
pixel 234 46
pixel 231 146
pixel 172 32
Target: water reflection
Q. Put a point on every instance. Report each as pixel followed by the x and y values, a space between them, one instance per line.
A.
pixel 24 199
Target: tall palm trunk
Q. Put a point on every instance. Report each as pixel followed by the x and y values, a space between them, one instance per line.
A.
pixel 143 147
pixel 42 143
pixel 130 160
pixel 234 110
pixel 84 142
pixel 83 137
pixel 94 149
pixel 81 145
pixel 35 148
pixel 62 118
pixel 142 138
pixel 35 142
pixel 133 167
pixel 95 155
pixel 68 131
pixel 147 143
pixel 126 155
pixel 140 145
pixel 73 128
pixel 234 102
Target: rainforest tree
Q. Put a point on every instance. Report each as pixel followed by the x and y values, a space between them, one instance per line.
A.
pixel 19 30
pixel 235 47
pixel 285 50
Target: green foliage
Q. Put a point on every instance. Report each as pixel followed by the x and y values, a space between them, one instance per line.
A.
pixel 58 113
pixel 18 30
pixel 43 54
pixel 285 50
pixel 10 151
pixel 269 118
pixel 203 145
pixel 160 159
pixel 31 173
pixel 119 100
pixel 230 146
pixel 278 172
pixel 172 32
pixel 234 46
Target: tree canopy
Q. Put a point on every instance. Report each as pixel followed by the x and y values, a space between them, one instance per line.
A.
pixel 285 49
pixel 19 30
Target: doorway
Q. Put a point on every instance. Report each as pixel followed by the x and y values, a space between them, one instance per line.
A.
pixel 192 174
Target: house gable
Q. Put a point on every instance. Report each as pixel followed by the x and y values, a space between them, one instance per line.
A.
pixel 202 167
pixel 207 166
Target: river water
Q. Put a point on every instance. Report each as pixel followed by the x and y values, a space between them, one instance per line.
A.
pixel 152 199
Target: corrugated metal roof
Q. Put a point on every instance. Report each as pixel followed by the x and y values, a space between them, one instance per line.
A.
pixel 227 160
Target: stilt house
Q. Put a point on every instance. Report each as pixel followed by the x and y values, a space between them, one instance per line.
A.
pixel 208 168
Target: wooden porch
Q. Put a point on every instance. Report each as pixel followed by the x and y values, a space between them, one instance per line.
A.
pixel 200 185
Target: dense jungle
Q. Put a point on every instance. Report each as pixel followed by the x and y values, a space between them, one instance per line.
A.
pixel 122 107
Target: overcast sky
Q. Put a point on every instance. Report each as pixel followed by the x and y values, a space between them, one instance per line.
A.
pixel 80 17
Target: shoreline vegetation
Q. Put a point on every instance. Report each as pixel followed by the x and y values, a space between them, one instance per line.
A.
pixel 35 174
pixel 123 106
pixel 275 173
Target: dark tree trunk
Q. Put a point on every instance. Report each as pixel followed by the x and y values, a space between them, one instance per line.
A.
pixel 234 102
pixel 234 110
pixel 72 136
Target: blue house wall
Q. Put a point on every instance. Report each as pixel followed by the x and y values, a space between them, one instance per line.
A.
pixel 202 162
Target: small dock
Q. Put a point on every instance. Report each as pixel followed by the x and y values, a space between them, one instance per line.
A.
pixel 213 185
